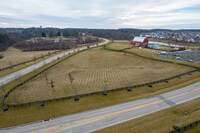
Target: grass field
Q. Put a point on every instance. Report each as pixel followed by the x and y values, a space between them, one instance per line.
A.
pixel 91 70
pixel 122 41
pixel 119 46
pixel 153 54
pixel 195 129
pixel 35 113
pixel 16 56
pixel 16 116
pixel 162 121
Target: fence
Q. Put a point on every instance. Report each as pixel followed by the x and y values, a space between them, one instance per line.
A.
pixel 187 127
pixel 122 50
pixel 11 66
pixel 34 76
pixel 129 88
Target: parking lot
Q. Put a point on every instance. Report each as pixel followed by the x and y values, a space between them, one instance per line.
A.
pixel 187 55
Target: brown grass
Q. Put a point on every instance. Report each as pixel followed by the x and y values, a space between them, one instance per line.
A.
pixel 16 116
pixel 91 69
pixel 35 113
pixel 160 122
pixel 119 46
pixel 16 56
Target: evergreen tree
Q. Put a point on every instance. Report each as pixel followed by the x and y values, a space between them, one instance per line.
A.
pixel 43 34
pixel 59 34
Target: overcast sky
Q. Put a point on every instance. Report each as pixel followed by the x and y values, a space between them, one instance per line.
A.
pixel 172 14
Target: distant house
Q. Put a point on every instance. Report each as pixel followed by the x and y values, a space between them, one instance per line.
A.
pixel 140 41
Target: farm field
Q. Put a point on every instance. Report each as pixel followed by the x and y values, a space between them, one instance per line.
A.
pixel 122 41
pixel 16 56
pixel 147 53
pixel 162 121
pixel 119 46
pixel 94 70
pixel 55 109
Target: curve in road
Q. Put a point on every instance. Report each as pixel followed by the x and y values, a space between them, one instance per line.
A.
pixel 15 75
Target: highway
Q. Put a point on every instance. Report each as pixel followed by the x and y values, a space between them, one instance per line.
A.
pixel 89 121
pixel 15 75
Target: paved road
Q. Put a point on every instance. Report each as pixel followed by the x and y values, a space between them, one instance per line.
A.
pixel 100 118
pixel 15 75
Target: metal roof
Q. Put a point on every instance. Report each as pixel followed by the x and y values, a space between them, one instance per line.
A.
pixel 139 39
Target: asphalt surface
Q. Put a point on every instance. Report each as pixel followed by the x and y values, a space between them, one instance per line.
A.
pixel 17 74
pixel 104 117
pixel 165 44
pixel 193 55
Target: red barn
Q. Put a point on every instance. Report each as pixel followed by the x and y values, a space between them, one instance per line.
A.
pixel 140 41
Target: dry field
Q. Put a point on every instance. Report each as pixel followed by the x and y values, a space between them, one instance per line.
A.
pixel 16 56
pixel 121 41
pixel 153 54
pixel 91 70
pixel 119 46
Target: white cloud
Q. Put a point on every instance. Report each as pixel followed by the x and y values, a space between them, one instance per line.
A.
pixel 97 13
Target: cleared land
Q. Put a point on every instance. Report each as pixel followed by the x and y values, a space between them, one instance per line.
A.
pixel 16 56
pixel 91 70
pixel 162 121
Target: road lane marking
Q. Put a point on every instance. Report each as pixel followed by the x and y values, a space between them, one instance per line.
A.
pixel 108 115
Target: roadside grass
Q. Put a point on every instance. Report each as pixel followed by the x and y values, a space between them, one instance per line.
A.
pixel 91 70
pixel 5 88
pixel 195 129
pixel 16 56
pixel 162 121
pixel 17 116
